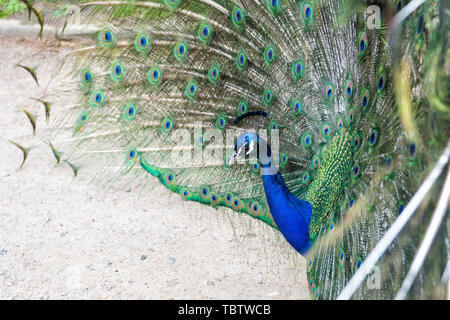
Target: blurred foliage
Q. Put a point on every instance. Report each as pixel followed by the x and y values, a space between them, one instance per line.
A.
pixel 8 7
pixel 59 8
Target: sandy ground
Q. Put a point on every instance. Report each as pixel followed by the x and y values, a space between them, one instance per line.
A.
pixel 66 238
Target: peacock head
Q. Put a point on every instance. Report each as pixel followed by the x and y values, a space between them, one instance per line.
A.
pixel 250 146
pixel 246 145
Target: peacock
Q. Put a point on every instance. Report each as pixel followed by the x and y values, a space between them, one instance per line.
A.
pixel 315 117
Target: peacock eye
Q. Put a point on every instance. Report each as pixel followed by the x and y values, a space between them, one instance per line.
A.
pixel 350 115
pixel 380 83
pixel 358 263
pixel 362 40
pixel 117 71
pixel 297 69
pixel 83 118
pixel 305 177
pixel 349 89
pixel 401 207
pixel 412 149
pixel 238 15
pixel 308 12
pixel 328 91
pixel 365 99
pixel 267 96
pixel 325 130
pixel 167 125
pixel 420 25
pixel 108 36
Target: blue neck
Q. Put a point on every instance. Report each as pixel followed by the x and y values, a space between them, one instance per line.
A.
pixel 291 214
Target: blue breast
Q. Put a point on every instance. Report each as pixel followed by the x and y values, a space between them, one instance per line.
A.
pixel 291 214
